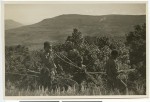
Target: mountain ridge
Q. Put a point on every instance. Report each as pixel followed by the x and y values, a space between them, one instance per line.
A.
pixel 58 28
pixel 11 24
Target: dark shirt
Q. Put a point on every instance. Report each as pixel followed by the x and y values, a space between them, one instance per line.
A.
pixel 45 72
pixel 47 60
pixel 111 68
pixel 45 75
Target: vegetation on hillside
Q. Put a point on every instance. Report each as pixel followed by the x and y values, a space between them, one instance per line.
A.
pixel 19 62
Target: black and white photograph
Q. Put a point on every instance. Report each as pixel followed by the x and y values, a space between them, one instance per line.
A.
pixel 75 48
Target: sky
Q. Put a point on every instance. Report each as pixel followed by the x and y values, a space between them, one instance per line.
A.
pixel 33 13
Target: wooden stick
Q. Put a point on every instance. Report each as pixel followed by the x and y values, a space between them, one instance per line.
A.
pixel 22 74
pixel 68 62
pixel 128 70
pixel 96 72
pixel 33 71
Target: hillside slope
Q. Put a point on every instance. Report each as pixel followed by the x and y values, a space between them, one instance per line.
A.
pixel 11 24
pixel 58 28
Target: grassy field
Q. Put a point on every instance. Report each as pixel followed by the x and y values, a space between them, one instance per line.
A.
pixel 72 91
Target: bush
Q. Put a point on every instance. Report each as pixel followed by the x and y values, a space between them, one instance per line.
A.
pixel 136 40
pixel 95 51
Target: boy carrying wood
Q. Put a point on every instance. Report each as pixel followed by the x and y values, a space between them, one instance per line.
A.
pixel 113 82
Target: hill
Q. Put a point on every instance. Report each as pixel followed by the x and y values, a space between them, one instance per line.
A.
pixel 11 24
pixel 58 28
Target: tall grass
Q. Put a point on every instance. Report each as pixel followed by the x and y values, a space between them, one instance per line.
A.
pixel 72 91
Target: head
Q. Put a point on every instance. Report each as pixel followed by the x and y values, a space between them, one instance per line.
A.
pixel 114 54
pixel 75 30
pixel 47 46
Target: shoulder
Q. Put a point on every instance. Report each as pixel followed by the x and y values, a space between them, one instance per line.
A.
pixel 83 66
pixel 110 62
pixel 44 70
pixel 42 53
pixel 73 52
